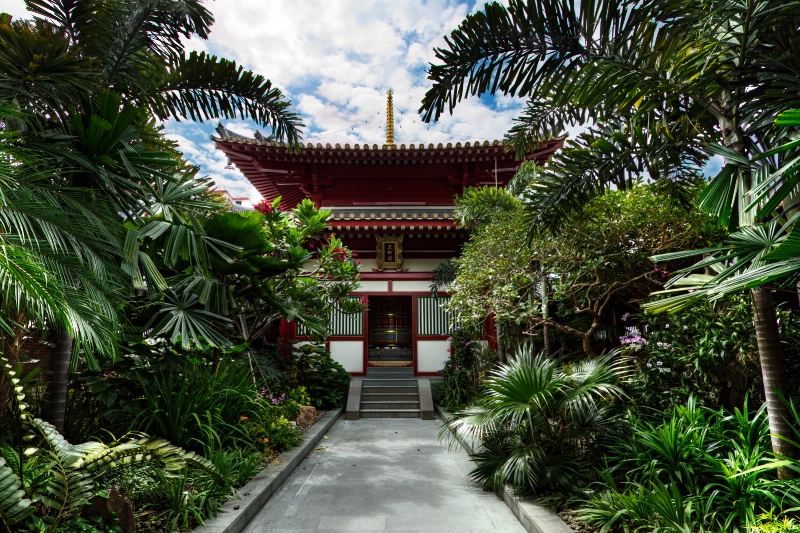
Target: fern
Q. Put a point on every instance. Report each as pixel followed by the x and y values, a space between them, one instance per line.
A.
pixel 69 487
pixel 14 506
pixel 146 449
pixel 33 472
pixel 74 467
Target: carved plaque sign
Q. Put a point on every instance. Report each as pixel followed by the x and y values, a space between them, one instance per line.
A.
pixel 390 252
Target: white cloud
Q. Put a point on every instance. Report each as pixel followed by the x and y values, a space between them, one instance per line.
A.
pixel 15 8
pixel 336 60
pixel 199 150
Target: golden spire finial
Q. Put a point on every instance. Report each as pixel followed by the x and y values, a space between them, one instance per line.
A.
pixel 389 119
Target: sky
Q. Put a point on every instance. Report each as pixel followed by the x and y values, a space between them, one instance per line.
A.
pixel 335 61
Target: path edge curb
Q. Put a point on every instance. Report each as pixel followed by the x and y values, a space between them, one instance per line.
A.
pixel 257 492
pixel 534 517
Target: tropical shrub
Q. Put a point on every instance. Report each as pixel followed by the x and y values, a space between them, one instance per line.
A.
pixel 538 421
pixel 76 468
pixel 597 263
pixel 288 403
pixel 708 351
pixel 462 373
pixel 698 470
pixel 73 471
pixel 326 381
pixel 198 407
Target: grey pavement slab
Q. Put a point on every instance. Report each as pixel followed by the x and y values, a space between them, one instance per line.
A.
pixel 383 475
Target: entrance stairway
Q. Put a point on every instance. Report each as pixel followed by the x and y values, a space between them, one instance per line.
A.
pixel 389 393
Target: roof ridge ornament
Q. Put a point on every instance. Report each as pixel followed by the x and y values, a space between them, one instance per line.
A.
pixel 389 118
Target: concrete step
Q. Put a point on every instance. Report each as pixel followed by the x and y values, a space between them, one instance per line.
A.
pixel 389 405
pixel 388 382
pixel 390 413
pixel 387 375
pixel 392 372
pixel 390 397
pixel 385 388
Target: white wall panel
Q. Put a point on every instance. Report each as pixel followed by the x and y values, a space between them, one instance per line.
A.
pixel 349 354
pixel 373 286
pixel 411 286
pixel 421 265
pixel 431 355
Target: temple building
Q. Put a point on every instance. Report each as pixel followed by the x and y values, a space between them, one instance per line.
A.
pixel 393 206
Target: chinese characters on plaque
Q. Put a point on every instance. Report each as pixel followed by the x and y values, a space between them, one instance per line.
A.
pixel 390 252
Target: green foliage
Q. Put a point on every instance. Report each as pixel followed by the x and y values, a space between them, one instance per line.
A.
pixel 200 408
pixel 33 470
pixel 74 469
pixel 93 524
pixel 698 470
pixel 598 262
pixel 14 506
pixel 538 421
pixel 139 480
pixel 769 523
pixel 463 372
pixel 289 402
pixel 184 505
pixel 326 381
pixel 708 351
pixel 235 467
pixel 281 434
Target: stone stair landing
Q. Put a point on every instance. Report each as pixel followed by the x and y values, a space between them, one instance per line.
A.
pixel 389 393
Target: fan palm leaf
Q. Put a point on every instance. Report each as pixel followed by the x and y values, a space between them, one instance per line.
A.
pixel 535 417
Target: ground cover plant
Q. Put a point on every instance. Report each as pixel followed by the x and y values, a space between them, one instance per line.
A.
pixel 699 469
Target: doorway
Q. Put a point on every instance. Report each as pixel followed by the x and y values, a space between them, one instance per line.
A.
pixel 390 335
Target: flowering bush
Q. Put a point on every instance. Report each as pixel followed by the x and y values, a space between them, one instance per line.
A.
pixel 267 208
pixel 287 403
pixel 708 351
pixel 460 375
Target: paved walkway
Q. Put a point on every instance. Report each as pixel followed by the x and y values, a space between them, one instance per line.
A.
pixel 384 475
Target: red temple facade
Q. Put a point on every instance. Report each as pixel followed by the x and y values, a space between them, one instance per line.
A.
pixel 393 205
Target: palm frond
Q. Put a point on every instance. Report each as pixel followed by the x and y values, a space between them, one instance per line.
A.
pixel 202 87
pixel 477 206
pixel 181 317
pixel 14 506
pixel 443 275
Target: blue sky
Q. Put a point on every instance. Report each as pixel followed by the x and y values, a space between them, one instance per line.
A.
pixel 335 60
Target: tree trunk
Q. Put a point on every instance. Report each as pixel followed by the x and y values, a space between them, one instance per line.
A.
pixel 501 356
pixel 773 371
pixel 764 317
pixel 59 380
pixel 587 344
pixel 545 315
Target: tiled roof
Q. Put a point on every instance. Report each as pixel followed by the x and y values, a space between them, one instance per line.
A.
pixel 293 172
pixel 393 213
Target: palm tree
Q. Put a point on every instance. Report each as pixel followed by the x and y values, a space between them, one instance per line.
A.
pixel 60 266
pixel 657 80
pixel 74 49
pixel 58 72
pixel 537 420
